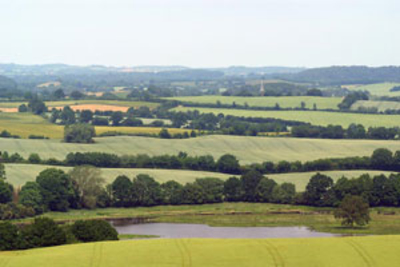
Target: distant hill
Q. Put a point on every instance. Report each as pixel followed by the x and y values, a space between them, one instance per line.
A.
pixel 244 71
pixel 7 84
pixel 346 75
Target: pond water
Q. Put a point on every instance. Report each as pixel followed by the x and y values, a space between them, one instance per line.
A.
pixel 176 230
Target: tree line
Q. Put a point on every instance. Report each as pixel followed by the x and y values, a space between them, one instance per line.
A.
pixel 381 159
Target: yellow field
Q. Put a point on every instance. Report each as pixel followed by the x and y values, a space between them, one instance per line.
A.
pixel 25 124
pixel 365 251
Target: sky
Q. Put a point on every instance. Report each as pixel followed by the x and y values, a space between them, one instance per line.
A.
pixel 201 33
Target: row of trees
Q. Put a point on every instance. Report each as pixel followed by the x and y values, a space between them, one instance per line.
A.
pixel 381 159
pixel 379 190
pixel 354 131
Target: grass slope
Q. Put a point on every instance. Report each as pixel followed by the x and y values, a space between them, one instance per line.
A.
pixel 322 118
pixel 379 89
pixel 283 101
pixel 19 174
pixel 246 149
pixel 25 124
pixel 380 105
pixel 348 251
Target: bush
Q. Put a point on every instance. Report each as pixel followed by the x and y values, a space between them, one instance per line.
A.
pixel 8 236
pixel 44 232
pixel 94 230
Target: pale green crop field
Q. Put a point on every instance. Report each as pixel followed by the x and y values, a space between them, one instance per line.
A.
pixel 25 124
pixel 19 174
pixel 322 118
pixel 246 149
pixel 380 105
pixel 296 252
pixel 283 101
pixel 379 89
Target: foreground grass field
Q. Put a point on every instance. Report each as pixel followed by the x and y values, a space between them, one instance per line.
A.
pixel 284 101
pixel 349 251
pixel 322 118
pixel 246 149
pixel 25 124
pixel 19 174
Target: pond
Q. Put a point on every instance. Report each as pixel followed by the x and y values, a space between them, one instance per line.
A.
pixel 177 230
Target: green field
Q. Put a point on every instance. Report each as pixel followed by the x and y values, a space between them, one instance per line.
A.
pixel 246 149
pixel 335 252
pixel 19 174
pixel 50 104
pixel 25 124
pixel 283 101
pixel 322 118
pixel 379 89
pixel 379 105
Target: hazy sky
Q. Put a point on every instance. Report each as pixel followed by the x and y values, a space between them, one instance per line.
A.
pixel 201 33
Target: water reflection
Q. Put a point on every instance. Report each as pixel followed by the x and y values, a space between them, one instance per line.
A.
pixel 175 230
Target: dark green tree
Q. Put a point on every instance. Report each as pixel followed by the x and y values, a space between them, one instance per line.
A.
pixel 79 133
pixel 122 191
pixel 353 210
pixel 6 191
pixel 228 164
pixel 146 191
pixel 30 196
pixel 56 189
pixel 250 181
pixel 382 159
pixel 319 190
pixel 233 189
pixel 172 193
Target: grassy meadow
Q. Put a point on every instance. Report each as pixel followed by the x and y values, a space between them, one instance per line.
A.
pixel 25 124
pixel 246 149
pixel 19 174
pixel 283 101
pixel 348 251
pixel 378 89
pixel 322 118
pixel 380 105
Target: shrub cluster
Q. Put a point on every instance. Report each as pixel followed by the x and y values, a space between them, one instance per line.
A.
pixel 44 232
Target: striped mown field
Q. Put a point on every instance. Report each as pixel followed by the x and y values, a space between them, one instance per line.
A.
pixel 247 149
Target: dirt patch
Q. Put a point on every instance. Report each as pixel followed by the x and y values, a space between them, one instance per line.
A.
pixel 94 107
pixel 9 110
